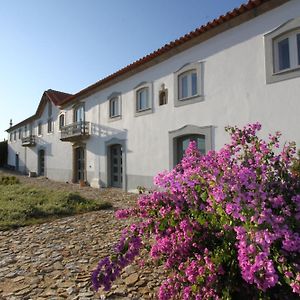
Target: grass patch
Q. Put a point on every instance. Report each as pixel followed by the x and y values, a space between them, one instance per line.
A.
pixel 21 204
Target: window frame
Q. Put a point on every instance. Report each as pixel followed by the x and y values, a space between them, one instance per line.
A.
pixel 75 109
pixel 290 30
pixel 114 97
pixel 60 126
pixel 50 129
pixel 189 68
pixel 186 130
pixel 143 86
pixel 40 128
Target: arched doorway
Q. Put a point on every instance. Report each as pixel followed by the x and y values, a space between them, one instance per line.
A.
pixel 115 165
pixel 41 162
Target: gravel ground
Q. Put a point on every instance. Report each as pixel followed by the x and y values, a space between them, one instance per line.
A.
pixel 54 260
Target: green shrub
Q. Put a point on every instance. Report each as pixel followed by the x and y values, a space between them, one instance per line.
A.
pixel 9 180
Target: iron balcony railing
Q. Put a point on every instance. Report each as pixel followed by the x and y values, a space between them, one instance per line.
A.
pixel 75 130
pixel 28 141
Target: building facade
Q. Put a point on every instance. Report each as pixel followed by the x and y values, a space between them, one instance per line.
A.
pixel 241 68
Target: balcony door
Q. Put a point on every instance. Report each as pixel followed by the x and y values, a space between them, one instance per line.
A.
pixel 79 164
pixel 116 166
pixel 79 114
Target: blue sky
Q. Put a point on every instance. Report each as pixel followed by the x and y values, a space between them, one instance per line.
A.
pixel 67 45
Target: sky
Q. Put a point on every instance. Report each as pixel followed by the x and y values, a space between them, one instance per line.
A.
pixel 67 45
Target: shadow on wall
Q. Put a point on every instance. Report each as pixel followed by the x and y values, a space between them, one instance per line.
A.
pixel 3 153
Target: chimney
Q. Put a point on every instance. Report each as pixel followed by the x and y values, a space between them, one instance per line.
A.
pixel 10 123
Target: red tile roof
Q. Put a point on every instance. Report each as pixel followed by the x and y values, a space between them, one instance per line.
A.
pixel 56 97
pixel 249 6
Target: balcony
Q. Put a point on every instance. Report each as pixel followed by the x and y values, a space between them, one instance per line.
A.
pixel 75 132
pixel 28 141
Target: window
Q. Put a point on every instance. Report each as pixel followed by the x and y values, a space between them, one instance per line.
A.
pixel 163 95
pixel 15 135
pixel 179 140
pixel 25 131
pixel 61 121
pixel 184 141
pixel 10 136
pixel 20 133
pixel 40 128
pixel 142 99
pixel 49 126
pixel 114 107
pixel 282 51
pixel 188 84
pixel 79 114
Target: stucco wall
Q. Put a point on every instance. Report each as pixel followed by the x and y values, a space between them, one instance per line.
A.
pixel 235 93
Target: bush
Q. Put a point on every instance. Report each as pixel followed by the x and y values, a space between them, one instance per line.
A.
pixel 9 180
pixel 225 224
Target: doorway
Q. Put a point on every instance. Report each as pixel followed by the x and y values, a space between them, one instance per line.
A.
pixel 41 162
pixel 17 162
pixel 116 166
pixel 79 170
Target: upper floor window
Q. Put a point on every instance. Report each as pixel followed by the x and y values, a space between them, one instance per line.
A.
pixel 79 114
pixel 10 136
pixel 188 84
pixel 49 126
pixel 40 128
pixel 114 107
pixel 15 135
pixel 20 133
pixel 142 99
pixel 25 130
pixel 287 52
pixel 282 51
pixel 61 121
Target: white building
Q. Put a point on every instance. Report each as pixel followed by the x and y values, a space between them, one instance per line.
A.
pixel 241 68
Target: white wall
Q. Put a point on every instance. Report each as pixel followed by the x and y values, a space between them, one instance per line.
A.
pixel 235 93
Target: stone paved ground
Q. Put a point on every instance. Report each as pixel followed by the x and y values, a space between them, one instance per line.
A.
pixel 54 260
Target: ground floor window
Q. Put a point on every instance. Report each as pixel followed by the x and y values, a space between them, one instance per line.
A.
pixel 183 142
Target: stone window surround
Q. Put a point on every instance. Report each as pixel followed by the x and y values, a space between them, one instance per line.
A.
pixel 149 110
pixel 75 107
pixel 187 130
pixel 39 128
pixel 61 114
pixel 199 67
pixel 269 39
pixel 109 98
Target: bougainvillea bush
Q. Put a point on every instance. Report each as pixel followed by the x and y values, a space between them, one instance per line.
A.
pixel 225 224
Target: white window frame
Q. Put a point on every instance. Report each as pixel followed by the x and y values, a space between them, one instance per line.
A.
pixel 40 128
pixel 289 30
pixel 50 129
pixel 187 70
pixel 137 90
pixel 59 123
pixel 115 97
pixel 76 108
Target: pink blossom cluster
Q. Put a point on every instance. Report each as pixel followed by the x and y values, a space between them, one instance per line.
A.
pixel 225 224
